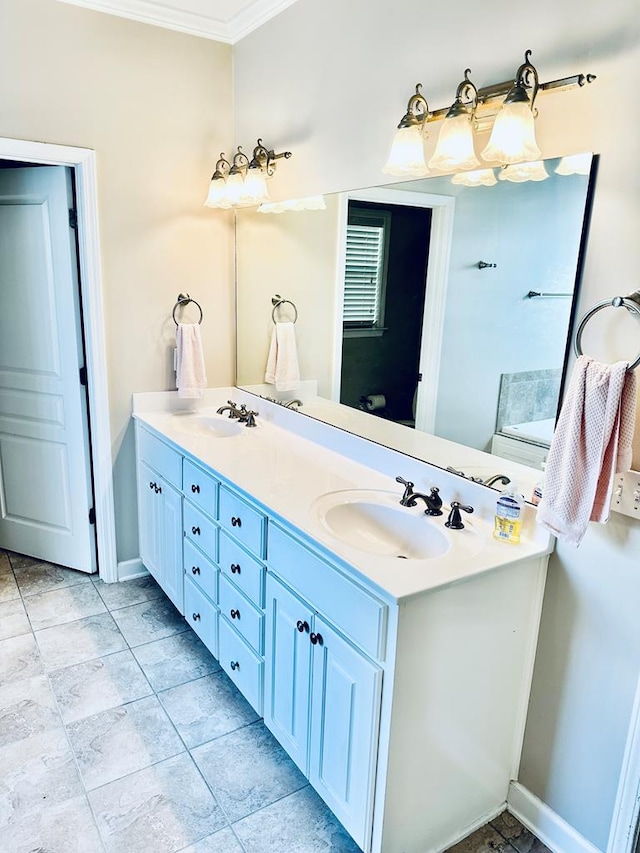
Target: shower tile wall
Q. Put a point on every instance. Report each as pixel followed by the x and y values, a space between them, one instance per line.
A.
pixel 530 395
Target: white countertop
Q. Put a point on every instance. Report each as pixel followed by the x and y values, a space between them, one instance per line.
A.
pixel 287 474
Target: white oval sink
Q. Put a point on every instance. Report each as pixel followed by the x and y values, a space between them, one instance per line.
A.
pixel 210 426
pixel 376 523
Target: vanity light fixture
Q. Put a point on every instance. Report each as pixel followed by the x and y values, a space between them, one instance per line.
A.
pixel 513 138
pixel 509 107
pixel 312 202
pixel 475 178
pixel 518 173
pixel 455 142
pixel 243 182
pixel 406 158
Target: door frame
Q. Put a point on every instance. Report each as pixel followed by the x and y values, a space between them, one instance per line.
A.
pixel 437 282
pixel 83 162
pixel 626 812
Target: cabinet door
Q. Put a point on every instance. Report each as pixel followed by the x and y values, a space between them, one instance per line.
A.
pixel 170 541
pixel 345 706
pixel 287 670
pixel 149 521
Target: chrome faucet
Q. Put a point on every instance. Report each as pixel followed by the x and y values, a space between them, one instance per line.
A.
pixel 293 404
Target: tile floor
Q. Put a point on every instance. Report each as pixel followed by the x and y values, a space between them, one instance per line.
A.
pixel 119 733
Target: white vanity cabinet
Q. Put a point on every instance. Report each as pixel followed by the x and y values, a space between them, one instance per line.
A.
pixel 322 701
pixel 159 472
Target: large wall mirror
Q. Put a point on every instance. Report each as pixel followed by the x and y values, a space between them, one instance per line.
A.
pixel 432 307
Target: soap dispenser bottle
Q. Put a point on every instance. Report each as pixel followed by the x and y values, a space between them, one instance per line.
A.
pixel 508 519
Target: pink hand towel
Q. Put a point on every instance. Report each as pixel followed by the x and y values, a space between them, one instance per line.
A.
pixel 592 442
pixel 191 377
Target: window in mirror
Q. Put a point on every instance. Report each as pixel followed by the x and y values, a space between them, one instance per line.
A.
pixel 366 265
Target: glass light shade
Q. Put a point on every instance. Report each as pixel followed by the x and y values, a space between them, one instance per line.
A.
pixel 455 145
pixel 574 164
pixel 217 197
pixel 513 137
pixel 235 188
pixel 407 154
pixel 476 178
pixel 313 202
pixel 255 187
pixel 521 172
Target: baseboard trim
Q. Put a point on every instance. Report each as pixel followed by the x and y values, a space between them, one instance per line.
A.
pixel 129 569
pixel 545 824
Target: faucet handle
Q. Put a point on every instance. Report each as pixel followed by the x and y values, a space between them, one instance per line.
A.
pixel 406 500
pixel 454 522
pixel 435 502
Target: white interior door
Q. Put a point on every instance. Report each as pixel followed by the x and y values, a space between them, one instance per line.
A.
pixel 45 467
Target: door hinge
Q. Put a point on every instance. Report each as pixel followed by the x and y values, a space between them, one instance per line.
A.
pixel 419 377
pixel 73 218
pixel 92 515
pixel 83 376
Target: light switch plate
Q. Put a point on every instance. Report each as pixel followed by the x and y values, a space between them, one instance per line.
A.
pixel 626 494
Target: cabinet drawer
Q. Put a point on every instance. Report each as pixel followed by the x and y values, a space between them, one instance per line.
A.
pixel 355 612
pixel 201 571
pixel 242 665
pixel 200 530
pixel 202 615
pixel 242 614
pixel 247 524
pixel 245 571
pixel 160 457
pixel 201 488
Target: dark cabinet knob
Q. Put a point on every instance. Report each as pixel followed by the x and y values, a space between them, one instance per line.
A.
pixel 195 531
pixel 235 568
pixel 234 665
pixel 316 639
pixel 195 570
pixel 196 617
pixel 195 488
pixel 302 626
pixel 236 522
pixel 152 486
pixel 235 614
pixel 159 490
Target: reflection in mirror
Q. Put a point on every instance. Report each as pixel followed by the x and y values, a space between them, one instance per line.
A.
pixel 431 306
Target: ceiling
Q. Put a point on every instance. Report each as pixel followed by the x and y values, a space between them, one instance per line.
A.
pixel 223 20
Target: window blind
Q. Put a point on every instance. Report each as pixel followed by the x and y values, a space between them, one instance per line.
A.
pixel 363 275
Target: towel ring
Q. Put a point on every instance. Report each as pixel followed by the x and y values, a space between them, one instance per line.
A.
pixel 631 303
pixel 277 301
pixel 185 299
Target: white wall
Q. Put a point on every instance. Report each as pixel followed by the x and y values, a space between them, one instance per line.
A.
pixel 156 107
pixel 339 76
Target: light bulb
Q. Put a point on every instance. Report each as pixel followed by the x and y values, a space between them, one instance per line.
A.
pixel 255 187
pixel 574 164
pixel 518 173
pixel 217 197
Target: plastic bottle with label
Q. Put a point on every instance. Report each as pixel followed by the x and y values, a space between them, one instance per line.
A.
pixel 508 519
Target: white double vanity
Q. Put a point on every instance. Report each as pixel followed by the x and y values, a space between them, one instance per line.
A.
pixel 389 655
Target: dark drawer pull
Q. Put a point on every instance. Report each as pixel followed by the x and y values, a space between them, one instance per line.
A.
pixel 196 617
pixel 234 665
pixel 316 639
pixel 235 614
pixel 152 486
pixel 195 488
pixel 302 626
pixel 235 568
pixel 195 531
pixel 195 570
pixel 236 521
pixel 159 490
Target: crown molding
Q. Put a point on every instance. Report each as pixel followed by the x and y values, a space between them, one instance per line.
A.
pixel 182 20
